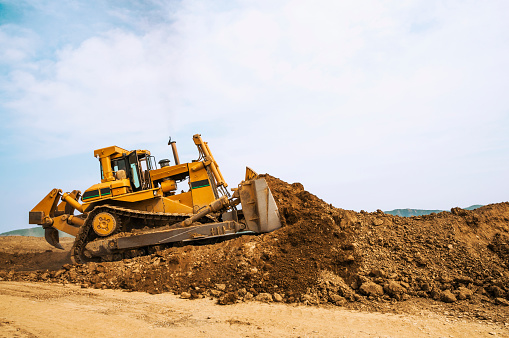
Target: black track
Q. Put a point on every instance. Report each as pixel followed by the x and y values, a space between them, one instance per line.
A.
pixel 127 220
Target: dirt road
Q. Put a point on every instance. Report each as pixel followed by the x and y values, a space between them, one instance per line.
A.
pixel 51 310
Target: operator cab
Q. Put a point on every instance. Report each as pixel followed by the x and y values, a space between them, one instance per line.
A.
pixel 136 166
pixel 117 163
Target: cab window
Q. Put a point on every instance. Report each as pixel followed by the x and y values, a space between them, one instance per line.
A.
pixel 134 172
pixel 118 164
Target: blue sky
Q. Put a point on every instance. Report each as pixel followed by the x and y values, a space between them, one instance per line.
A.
pixel 370 104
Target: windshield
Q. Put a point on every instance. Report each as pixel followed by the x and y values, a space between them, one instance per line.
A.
pixel 118 164
pixel 135 170
pixel 136 181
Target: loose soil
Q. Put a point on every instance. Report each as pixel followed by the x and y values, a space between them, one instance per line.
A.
pixel 53 310
pixel 456 262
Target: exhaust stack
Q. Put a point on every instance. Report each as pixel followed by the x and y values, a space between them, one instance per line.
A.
pixel 173 145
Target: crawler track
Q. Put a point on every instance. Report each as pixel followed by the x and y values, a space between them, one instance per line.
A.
pixel 129 220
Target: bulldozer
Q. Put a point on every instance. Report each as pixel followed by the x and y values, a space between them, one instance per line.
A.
pixel 136 209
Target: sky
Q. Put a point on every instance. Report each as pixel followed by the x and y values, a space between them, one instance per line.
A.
pixel 369 104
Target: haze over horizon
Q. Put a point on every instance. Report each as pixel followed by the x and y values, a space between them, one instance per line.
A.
pixel 369 104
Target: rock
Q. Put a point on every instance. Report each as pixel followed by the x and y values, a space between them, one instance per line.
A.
pixel 420 260
pixel 264 297
pixel 371 289
pixel 221 287
pixel 378 273
pixel 337 299
pixel 297 186
pixel 497 292
pixel 395 290
pixel 422 294
pixel 242 292
pixel 185 295
pixel 502 301
pixel 248 296
pixel 435 294
pixel 426 287
pixel 464 293
pixel 448 297
pixel 446 279
pixel 229 298
pixel 463 280
pixel 215 293
pixel 277 297
pixel 310 299
pixel 195 294
pixel 100 268
pixel 339 286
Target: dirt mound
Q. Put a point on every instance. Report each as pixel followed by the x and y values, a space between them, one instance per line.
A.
pixel 325 254
pixel 22 253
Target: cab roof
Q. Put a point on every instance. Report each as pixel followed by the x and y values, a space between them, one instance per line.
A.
pixel 115 151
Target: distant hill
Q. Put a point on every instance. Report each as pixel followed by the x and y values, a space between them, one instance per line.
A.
pixel 473 207
pixel 34 232
pixel 420 212
pixel 411 212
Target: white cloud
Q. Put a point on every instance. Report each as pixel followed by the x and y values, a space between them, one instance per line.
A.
pixel 113 85
pixel 312 92
pixel 17 45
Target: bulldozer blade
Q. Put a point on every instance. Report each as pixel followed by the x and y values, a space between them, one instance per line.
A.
pixel 259 206
pixel 46 207
pixel 52 237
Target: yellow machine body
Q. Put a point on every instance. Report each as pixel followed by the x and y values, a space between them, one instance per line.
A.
pixel 135 194
pixel 130 179
pixel 159 195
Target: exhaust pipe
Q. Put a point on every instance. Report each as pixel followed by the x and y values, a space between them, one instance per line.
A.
pixel 174 150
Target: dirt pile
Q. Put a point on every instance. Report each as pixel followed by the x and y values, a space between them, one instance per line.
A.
pixel 19 253
pixel 325 254
pixel 446 256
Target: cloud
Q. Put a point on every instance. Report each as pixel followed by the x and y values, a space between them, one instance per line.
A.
pixel 17 45
pixel 315 92
pixel 110 85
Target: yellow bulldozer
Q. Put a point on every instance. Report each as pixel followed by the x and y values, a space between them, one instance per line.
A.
pixel 136 209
